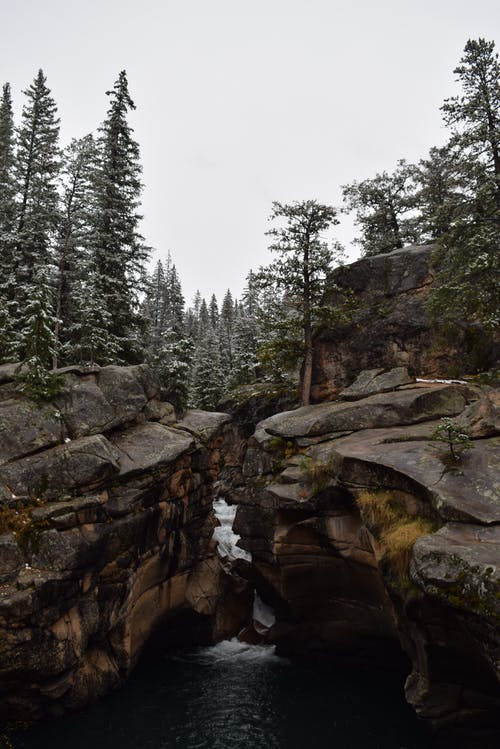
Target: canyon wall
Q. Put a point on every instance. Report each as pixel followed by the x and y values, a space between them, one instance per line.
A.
pixel 379 320
pixel 106 535
pixel 370 541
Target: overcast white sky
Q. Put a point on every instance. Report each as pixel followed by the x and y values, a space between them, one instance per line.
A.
pixel 241 103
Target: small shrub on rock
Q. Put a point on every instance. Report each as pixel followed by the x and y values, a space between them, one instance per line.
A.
pixel 455 437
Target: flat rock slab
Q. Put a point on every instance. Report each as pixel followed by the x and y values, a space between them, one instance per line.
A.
pixel 150 446
pixel 372 381
pixel 26 427
pixel 469 492
pixel 461 564
pixel 203 424
pixel 382 410
pixel 85 462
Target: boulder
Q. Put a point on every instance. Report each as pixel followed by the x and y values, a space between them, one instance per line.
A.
pixel 75 466
pixel 26 427
pixel 482 418
pixel 109 398
pixel 382 410
pixel 460 564
pixel 149 446
pixel 203 424
pixel 372 381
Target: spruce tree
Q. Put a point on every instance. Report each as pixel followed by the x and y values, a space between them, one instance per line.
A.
pixel 7 182
pixel 71 255
pixel 300 269
pixel 7 223
pixel 469 258
pixel 37 167
pixel 38 338
pixel 384 208
pixel 207 384
pixel 119 249
pixel 37 164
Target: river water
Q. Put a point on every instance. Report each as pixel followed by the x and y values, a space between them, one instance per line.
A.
pixel 238 696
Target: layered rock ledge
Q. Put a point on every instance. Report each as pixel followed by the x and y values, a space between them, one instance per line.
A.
pixel 106 534
pixel 367 540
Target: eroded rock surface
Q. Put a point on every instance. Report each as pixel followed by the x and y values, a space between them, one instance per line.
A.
pixel 386 325
pixel 108 520
pixel 329 493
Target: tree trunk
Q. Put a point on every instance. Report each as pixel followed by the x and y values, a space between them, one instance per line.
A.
pixel 308 358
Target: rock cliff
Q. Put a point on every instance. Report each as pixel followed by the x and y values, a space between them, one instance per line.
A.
pixel 106 526
pixel 382 322
pixel 368 542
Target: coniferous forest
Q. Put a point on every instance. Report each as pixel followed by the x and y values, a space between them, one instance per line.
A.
pixel 76 286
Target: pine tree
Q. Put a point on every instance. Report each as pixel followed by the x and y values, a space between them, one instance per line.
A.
pixel 440 195
pixel 7 183
pixel 384 208
pixel 466 285
pixel 120 253
pixel 207 384
pixel 7 222
pixel 71 256
pixel 244 343
pixel 37 167
pixel 38 339
pixel 299 272
pixel 213 311
pixel 474 117
pixel 38 164
pixel 226 334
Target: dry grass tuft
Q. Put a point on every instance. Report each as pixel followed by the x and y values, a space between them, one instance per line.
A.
pixel 394 528
pixel 399 539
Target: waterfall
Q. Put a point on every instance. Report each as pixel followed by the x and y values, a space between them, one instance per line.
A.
pixel 263 615
pixel 227 539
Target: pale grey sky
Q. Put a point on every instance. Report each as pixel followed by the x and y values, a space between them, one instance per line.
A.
pixel 241 103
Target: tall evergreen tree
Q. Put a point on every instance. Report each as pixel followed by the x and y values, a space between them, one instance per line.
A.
pixel 469 259
pixel 38 164
pixel 474 116
pixel 300 269
pixel 119 249
pixel 71 256
pixel 439 197
pixel 7 223
pixel 7 183
pixel 384 207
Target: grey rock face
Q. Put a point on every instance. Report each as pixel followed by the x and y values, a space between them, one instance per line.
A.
pixel 112 536
pixel 26 427
pixel 321 555
pixel 382 410
pixel 372 381
pixel 85 462
pixel 388 326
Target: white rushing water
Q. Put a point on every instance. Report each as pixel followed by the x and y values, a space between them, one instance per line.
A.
pixel 226 538
pixel 234 650
pixel 262 613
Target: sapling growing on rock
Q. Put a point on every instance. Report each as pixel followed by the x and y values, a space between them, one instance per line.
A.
pixel 453 435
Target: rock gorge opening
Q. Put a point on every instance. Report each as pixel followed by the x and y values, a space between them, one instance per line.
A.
pixel 107 539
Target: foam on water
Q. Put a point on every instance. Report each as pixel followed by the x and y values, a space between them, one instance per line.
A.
pixel 262 613
pixel 226 538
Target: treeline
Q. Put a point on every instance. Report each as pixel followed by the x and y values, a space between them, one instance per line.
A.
pixel 72 258
pixel 204 350
pixel 73 284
